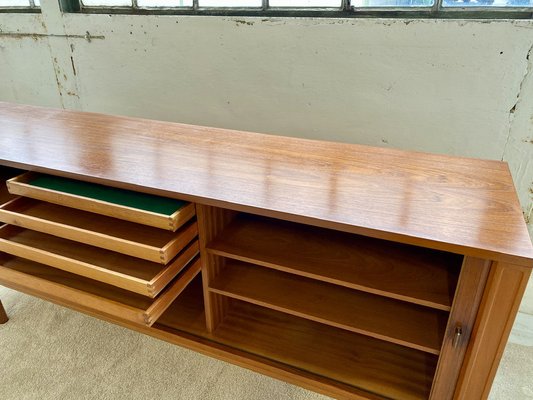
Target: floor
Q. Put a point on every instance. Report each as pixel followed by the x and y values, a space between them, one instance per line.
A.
pixel 50 352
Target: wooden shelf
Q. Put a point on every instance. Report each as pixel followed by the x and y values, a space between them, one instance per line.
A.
pixel 55 284
pixel 418 275
pixel 130 273
pixel 373 365
pixel 383 318
pixel 185 319
pixel 125 237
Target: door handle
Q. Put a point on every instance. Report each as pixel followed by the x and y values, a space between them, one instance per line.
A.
pixel 457 336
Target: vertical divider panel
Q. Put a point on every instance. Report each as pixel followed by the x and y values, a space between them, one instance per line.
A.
pixel 211 222
pixel 466 301
pixel 505 288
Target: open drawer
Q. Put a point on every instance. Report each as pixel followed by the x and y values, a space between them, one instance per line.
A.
pixel 109 233
pixel 142 208
pixel 57 285
pixel 126 272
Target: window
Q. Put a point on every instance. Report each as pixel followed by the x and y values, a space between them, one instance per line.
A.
pixel 321 8
pixel 305 3
pixel 222 4
pixel 20 4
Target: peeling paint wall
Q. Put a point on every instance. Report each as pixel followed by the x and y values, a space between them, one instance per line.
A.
pixel 446 86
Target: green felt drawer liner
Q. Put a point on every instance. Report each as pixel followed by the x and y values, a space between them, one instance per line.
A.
pixel 128 198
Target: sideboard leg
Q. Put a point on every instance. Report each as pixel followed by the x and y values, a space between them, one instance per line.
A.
pixel 3 314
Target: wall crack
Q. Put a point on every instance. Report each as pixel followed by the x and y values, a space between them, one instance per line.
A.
pixel 512 111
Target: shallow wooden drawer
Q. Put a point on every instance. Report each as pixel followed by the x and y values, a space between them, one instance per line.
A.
pixel 126 272
pixel 54 284
pixel 109 233
pixel 142 208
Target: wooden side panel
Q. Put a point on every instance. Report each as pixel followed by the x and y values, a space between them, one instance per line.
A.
pixel 472 281
pixel 211 222
pixel 3 314
pixel 504 291
pixel 6 173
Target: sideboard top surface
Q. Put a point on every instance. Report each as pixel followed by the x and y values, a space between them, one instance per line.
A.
pixel 463 205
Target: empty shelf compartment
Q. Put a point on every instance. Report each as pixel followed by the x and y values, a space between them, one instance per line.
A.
pixel 368 364
pixel 381 317
pixel 419 275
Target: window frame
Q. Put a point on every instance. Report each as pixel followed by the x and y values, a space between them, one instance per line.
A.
pixel 32 8
pixel 346 10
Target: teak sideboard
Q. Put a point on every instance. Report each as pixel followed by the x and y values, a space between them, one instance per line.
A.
pixel 354 271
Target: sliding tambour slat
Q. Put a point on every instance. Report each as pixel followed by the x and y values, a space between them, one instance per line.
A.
pixel 57 285
pixel 211 223
pixel 395 321
pixel 131 206
pixel 418 275
pixel 125 237
pixel 129 273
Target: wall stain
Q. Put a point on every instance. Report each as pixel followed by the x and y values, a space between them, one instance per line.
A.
pixel 243 22
pixel 73 67
pixel 36 36
pixel 528 215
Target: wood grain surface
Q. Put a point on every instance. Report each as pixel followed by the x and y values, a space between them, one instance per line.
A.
pixel 399 322
pixel 501 299
pixel 5 174
pixel 189 306
pixel 125 237
pixel 21 186
pixel 211 223
pixel 465 306
pixel 116 269
pixel 408 273
pixel 463 205
pixel 369 364
pixel 29 276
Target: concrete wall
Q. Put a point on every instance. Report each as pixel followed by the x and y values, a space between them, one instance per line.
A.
pixel 448 86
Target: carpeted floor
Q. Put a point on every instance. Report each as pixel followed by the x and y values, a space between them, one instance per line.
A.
pixel 49 352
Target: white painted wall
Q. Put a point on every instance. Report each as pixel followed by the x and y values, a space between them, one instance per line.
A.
pixel 443 86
